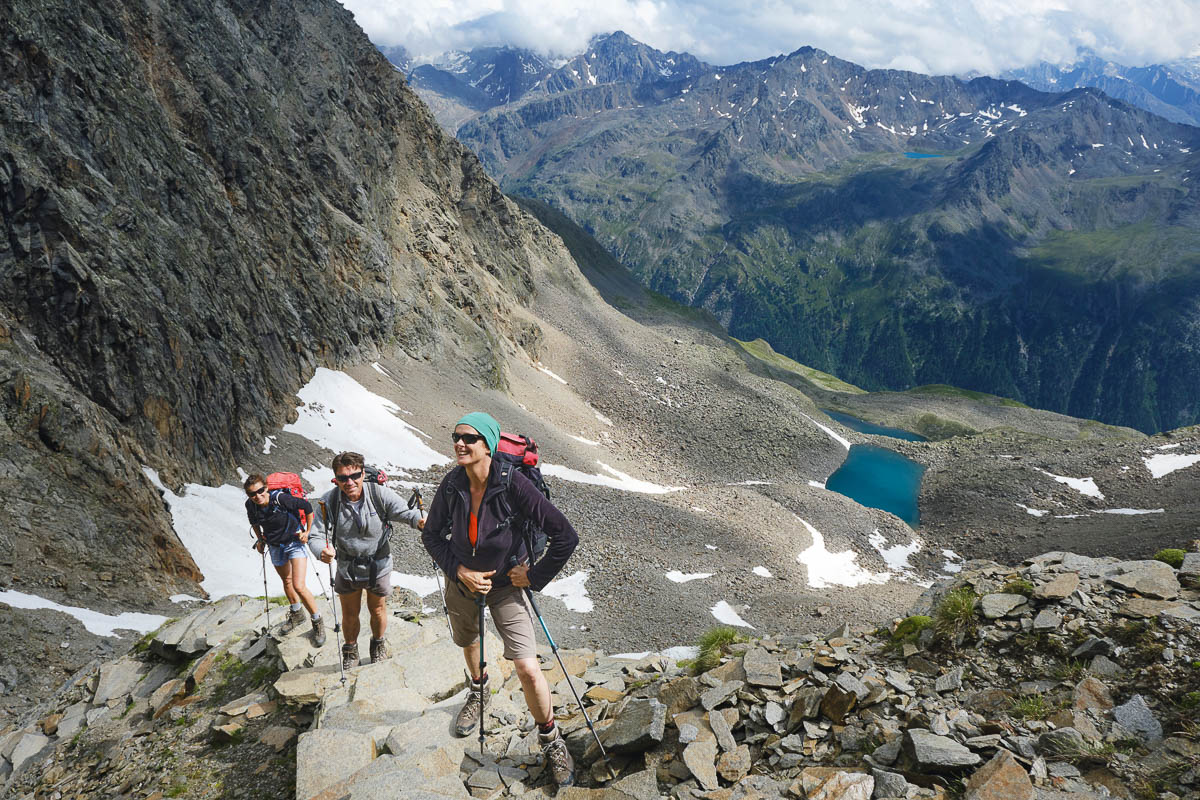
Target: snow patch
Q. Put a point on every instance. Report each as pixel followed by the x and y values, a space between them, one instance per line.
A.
pixel 828 569
pixel 571 591
pixel 725 613
pixel 762 572
pixel 542 369
pixel 585 441
pixel 1033 512
pixel 615 480
pixel 96 623
pixel 816 484
pixel 896 556
pixel 340 414
pixel 832 434
pixel 375 365
pixel 1085 486
pixel 1132 511
pixel 421 585
pixel 185 598
pixel 268 443
pixel 1167 463
pixel 675 576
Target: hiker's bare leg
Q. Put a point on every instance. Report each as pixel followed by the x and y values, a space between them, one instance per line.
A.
pixel 537 691
pixel 471 656
pixel 285 575
pixel 299 567
pixel 350 604
pixel 377 608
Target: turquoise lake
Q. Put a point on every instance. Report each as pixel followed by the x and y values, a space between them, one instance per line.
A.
pixel 862 426
pixel 880 478
pixel 922 155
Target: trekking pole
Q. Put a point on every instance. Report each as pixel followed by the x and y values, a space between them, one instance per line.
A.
pixel 480 601
pixel 554 648
pixel 337 626
pixel 266 596
pixel 437 576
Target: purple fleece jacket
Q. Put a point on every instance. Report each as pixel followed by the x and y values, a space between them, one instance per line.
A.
pixel 496 543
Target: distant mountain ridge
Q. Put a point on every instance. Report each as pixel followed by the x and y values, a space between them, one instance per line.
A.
pixel 1170 90
pixel 1048 252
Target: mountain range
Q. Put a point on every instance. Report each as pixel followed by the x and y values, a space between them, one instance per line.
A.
pixel 892 228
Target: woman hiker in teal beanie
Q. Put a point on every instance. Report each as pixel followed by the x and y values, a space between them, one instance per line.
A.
pixel 471 535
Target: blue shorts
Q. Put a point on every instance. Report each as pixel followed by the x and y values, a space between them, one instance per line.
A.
pixel 283 553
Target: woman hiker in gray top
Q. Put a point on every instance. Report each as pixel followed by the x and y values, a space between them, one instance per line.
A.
pixel 356 532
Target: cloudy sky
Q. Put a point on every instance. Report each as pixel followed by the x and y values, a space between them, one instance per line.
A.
pixel 938 36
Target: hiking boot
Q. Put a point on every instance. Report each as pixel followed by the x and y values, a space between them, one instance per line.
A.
pixel 294 620
pixel 471 712
pixel 558 758
pixel 350 655
pixel 318 631
pixel 379 651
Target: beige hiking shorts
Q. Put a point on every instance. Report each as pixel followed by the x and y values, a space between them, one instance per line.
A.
pixel 511 615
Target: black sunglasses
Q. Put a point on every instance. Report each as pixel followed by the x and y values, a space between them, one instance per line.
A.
pixel 465 438
pixel 254 492
pixel 353 476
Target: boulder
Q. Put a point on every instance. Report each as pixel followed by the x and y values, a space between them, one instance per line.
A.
pixel 638 726
pixel 26 748
pixel 1061 742
pixel 720 727
pixel 1001 778
pixel 1090 694
pixel 889 784
pixel 830 783
pixel 932 753
pixel 117 679
pixel 951 681
pixel 1136 717
pixel 324 757
pixel 1149 578
pixel 837 702
pixel 762 668
pixel 700 758
pixel 735 764
pixel 1189 571
pixel 719 694
pixel 1047 620
pixel 997 605
pixel 1059 588
pixel 679 695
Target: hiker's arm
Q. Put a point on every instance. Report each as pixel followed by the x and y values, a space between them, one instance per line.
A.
pixel 318 535
pixel 397 510
pixel 298 504
pixel 562 537
pixel 434 534
pixel 258 535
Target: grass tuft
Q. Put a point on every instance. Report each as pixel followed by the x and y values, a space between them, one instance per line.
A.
pixel 1170 555
pixel 954 618
pixel 1018 586
pixel 712 644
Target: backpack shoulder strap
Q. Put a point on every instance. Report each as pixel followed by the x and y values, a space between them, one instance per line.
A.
pixel 377 503
pixel 331 524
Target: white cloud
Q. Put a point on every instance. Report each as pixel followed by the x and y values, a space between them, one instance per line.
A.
pixel 941 36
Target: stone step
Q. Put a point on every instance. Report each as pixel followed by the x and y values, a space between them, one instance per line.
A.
pixel 325 757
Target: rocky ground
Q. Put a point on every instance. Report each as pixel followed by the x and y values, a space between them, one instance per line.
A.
pixel 1065 678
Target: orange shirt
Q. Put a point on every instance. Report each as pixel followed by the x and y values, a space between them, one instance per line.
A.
pixel 473 531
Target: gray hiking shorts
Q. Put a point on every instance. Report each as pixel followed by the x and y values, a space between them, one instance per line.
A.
pixel 511 615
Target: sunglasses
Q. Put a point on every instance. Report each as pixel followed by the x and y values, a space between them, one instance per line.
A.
pixel 353 476
pixel 465 438
pixel 255 492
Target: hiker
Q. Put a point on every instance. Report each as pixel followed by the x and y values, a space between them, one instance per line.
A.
pixel 275 517
pixel 478 513
pixel 357 532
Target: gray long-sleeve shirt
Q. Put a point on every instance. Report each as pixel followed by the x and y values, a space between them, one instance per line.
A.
pixel 359 530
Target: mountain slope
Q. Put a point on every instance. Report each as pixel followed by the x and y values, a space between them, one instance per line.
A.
pixel 1047 253
pixel 201 206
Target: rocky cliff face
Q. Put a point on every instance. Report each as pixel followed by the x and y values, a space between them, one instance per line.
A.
pixel 1045 253
pixel 201 203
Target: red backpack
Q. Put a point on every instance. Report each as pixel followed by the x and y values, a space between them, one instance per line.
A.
pixel 288 482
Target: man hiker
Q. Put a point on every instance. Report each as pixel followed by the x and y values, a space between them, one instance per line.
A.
pixel 356 532
pixel 479 511
pixel 275 519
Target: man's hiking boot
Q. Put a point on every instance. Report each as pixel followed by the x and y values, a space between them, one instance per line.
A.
pixel 318 631
pixel 294 620
pixel 472 711
pixel 379 651
pixel 558 758
pixel 350 655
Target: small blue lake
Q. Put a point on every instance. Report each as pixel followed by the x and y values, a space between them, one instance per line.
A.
pixel 923 155
pixel 880 478
pixel 862 426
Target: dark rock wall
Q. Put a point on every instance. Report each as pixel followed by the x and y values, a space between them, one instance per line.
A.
pixel 203 202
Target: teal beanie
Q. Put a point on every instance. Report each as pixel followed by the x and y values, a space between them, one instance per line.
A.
pixel 487 427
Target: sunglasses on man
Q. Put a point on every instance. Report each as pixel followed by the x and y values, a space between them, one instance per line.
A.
pixel 255 492
pixel 352 476
pixel 465 438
